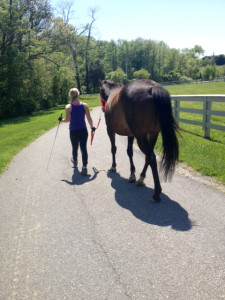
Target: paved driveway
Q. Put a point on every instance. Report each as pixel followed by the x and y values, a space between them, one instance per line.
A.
pixel 64 236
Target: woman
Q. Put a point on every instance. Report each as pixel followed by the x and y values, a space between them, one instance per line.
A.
pixel 75 114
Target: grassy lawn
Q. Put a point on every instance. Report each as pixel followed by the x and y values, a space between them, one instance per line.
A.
pixel 197 89
pixel 92 100
pixel 204 155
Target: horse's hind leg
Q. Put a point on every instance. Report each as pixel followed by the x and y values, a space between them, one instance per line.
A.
pixel 140 181
pixel 147 147
pixel 132 177
pixel 153 164
pixel 111 135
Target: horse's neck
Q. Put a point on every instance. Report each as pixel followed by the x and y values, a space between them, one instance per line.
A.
pixel 115 89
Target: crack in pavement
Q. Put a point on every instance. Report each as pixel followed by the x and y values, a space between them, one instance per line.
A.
pixel 96 240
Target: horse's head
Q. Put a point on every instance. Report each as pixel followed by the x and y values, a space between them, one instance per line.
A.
pixel 106 87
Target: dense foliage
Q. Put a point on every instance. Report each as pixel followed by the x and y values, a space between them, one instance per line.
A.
pixel 42 56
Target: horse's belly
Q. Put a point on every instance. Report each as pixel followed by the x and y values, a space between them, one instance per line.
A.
pixel 119 126
pixel 124 131
pixel 115 120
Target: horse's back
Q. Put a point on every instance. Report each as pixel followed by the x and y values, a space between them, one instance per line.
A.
pixel 139 107
pixel 131 109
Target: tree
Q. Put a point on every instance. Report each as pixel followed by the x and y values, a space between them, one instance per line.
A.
pixel 196 52
pixel 22 25
pixel 209 72
pixel 118 76
pixel 64 38
pixel 141 74
pixel 111 56
pixel 96 72
pixel 93 12
pixel 220 60
pixel 75 40
pixel 42 57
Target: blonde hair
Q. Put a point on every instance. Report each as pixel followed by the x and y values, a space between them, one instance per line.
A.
pixel 74 93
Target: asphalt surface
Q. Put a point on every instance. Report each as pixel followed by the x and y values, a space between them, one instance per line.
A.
pixel 65 236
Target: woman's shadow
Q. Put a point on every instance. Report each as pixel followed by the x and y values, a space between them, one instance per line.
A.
pixel 137 200
pixel 78 179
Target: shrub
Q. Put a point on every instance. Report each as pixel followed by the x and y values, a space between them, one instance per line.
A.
pixel 118 76
pixel 141 74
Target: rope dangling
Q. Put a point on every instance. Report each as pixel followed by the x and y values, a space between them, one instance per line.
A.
pixel 103 105
pixel 93 131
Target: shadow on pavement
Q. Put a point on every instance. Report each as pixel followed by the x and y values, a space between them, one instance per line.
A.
pixel 78 179
pixel 137 200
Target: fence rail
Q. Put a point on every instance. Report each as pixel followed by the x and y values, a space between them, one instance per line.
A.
pixel 207 111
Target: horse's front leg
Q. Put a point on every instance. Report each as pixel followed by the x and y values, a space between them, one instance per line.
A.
pixel 112 138
pixel 132 177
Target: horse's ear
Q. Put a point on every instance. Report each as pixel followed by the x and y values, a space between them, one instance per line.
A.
pixel 100 82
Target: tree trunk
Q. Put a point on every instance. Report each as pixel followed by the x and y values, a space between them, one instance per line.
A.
pixel 87 72
pixel 77 77
pixel 93 11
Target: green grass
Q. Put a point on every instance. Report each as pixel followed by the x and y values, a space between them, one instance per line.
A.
pixel 17 133
pixel 197 89
pixel 92 100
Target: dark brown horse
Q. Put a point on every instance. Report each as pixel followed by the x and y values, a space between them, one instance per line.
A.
pixel 141 109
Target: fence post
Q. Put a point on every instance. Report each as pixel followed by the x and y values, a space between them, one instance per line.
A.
pixel 206 117
pixel 176 109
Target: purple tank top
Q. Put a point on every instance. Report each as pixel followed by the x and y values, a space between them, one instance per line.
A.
pixel 77 120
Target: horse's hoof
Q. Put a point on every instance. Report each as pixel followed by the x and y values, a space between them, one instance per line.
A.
pixel 132 178
pixel 140 182
pixel 155 199
pixel 112 169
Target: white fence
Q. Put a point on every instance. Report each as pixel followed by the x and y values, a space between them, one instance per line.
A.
pixel 207 111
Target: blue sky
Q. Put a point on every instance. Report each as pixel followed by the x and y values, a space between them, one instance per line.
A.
pixel 179 23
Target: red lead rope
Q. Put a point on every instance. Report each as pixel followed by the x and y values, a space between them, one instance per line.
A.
pixel 103 104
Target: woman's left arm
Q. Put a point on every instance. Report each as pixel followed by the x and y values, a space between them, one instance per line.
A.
pixel 68 116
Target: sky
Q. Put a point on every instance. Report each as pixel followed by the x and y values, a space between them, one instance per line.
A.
pixel 179 23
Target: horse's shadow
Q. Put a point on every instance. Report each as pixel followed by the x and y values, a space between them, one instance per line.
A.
pixel 137 201
pixel 78 179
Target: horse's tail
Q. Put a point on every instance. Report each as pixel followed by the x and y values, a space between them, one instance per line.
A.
pixel 168 127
